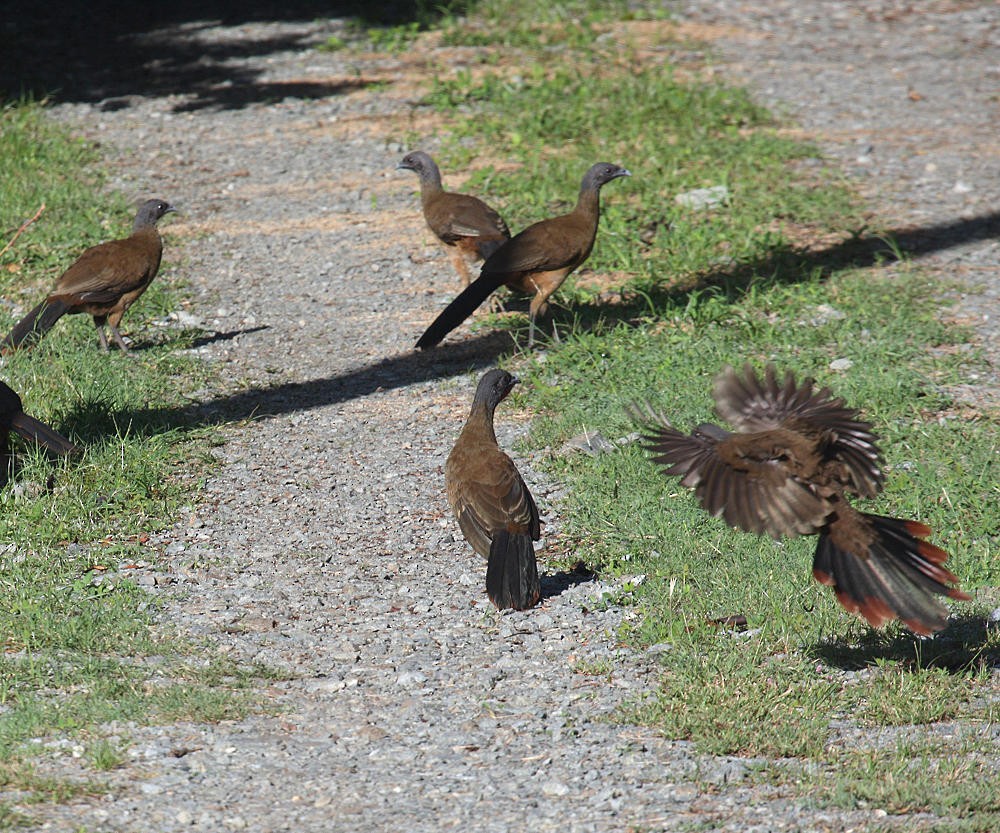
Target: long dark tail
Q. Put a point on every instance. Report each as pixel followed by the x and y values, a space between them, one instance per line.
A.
pixel 35 324
pixel 38 432
pixel 458 310
pixel 512 572
pixel 898 577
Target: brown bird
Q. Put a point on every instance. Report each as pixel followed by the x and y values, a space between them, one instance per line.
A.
pixel 13 418
pixel 469 229
pixel 536 261
pixel 494 508
pixel 104 282
pixel 798 454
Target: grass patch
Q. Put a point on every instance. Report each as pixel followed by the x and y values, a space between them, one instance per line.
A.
pixel 954 779
pixel 75 630
pixel 539 124
pixel 784 270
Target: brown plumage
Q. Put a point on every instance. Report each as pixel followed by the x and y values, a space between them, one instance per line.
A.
pixel 494 508
pixel 536 261
pixel 799 453
pixel 13 418
pixel 104 282
pixel 469 229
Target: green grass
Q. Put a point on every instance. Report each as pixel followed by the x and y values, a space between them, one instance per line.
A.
pixel 784 271
pixel 78 650
pixel 549 121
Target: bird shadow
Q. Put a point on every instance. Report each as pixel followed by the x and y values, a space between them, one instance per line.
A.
pixel 227 335
pixel 105 52
pixel 558 583
pixel 202 339
pixel 967 643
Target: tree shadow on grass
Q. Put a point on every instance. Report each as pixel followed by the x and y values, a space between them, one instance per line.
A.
pixel 785 263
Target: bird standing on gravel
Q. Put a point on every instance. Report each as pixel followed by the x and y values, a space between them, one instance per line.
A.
pixel 104 282
pixel 535 261
pixel 469 229
pixel 798 454
pixel 13 418
pixel 494 508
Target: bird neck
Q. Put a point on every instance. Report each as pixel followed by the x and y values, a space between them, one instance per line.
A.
pixel 588 204
pixel 481 419
pixel 149 234
pixel 142 224
pixel 430 184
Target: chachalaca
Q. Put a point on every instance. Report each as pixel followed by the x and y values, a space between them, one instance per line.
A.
pixel 798 454
pixel 535 261
pixel 104 282
pixel 469 229
pixel 13 418
pixel 494 508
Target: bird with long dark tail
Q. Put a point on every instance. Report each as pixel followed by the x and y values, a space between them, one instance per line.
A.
pixel 796 454
pixel 14 419
pixel 469 229
pixel 535 261
pixel 103 282
pixel 491 502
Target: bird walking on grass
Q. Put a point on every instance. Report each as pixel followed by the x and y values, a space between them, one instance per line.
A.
pixel 536 261
pixel 103 282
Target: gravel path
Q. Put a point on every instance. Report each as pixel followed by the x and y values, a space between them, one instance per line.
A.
pixel 323 544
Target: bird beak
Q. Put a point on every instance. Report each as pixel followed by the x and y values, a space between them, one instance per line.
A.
pixel 625 172
pixel 170 210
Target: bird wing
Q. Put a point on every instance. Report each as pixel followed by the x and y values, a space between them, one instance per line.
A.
pixel 751 486
pixel 487 493
pixel 466 216
pixel 546 246
pixel 751 404
pixel 109 270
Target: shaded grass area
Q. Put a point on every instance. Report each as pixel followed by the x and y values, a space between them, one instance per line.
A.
pixel 78 649
pixel 783 270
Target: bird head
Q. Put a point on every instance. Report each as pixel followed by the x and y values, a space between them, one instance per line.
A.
pixel 602 173
pixel 151 211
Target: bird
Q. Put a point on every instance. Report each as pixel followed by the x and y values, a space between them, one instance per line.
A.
pixel 469 229
pixel 535 261
pixel 796 455
pixel 103 282
pixel 494 509
pixel 13 418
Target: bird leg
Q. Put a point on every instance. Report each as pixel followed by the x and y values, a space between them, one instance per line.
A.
pixel 99 323
pixel 461 265
pixel 117 336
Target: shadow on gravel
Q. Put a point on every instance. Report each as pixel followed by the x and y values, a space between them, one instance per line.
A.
pixel 170 338
pixel 107 51
pixel 787 264
pixel 962 646
pixel 398 371
pixel 559 583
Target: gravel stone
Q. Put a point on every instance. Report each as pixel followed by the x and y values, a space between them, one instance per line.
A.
pixel 323 546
